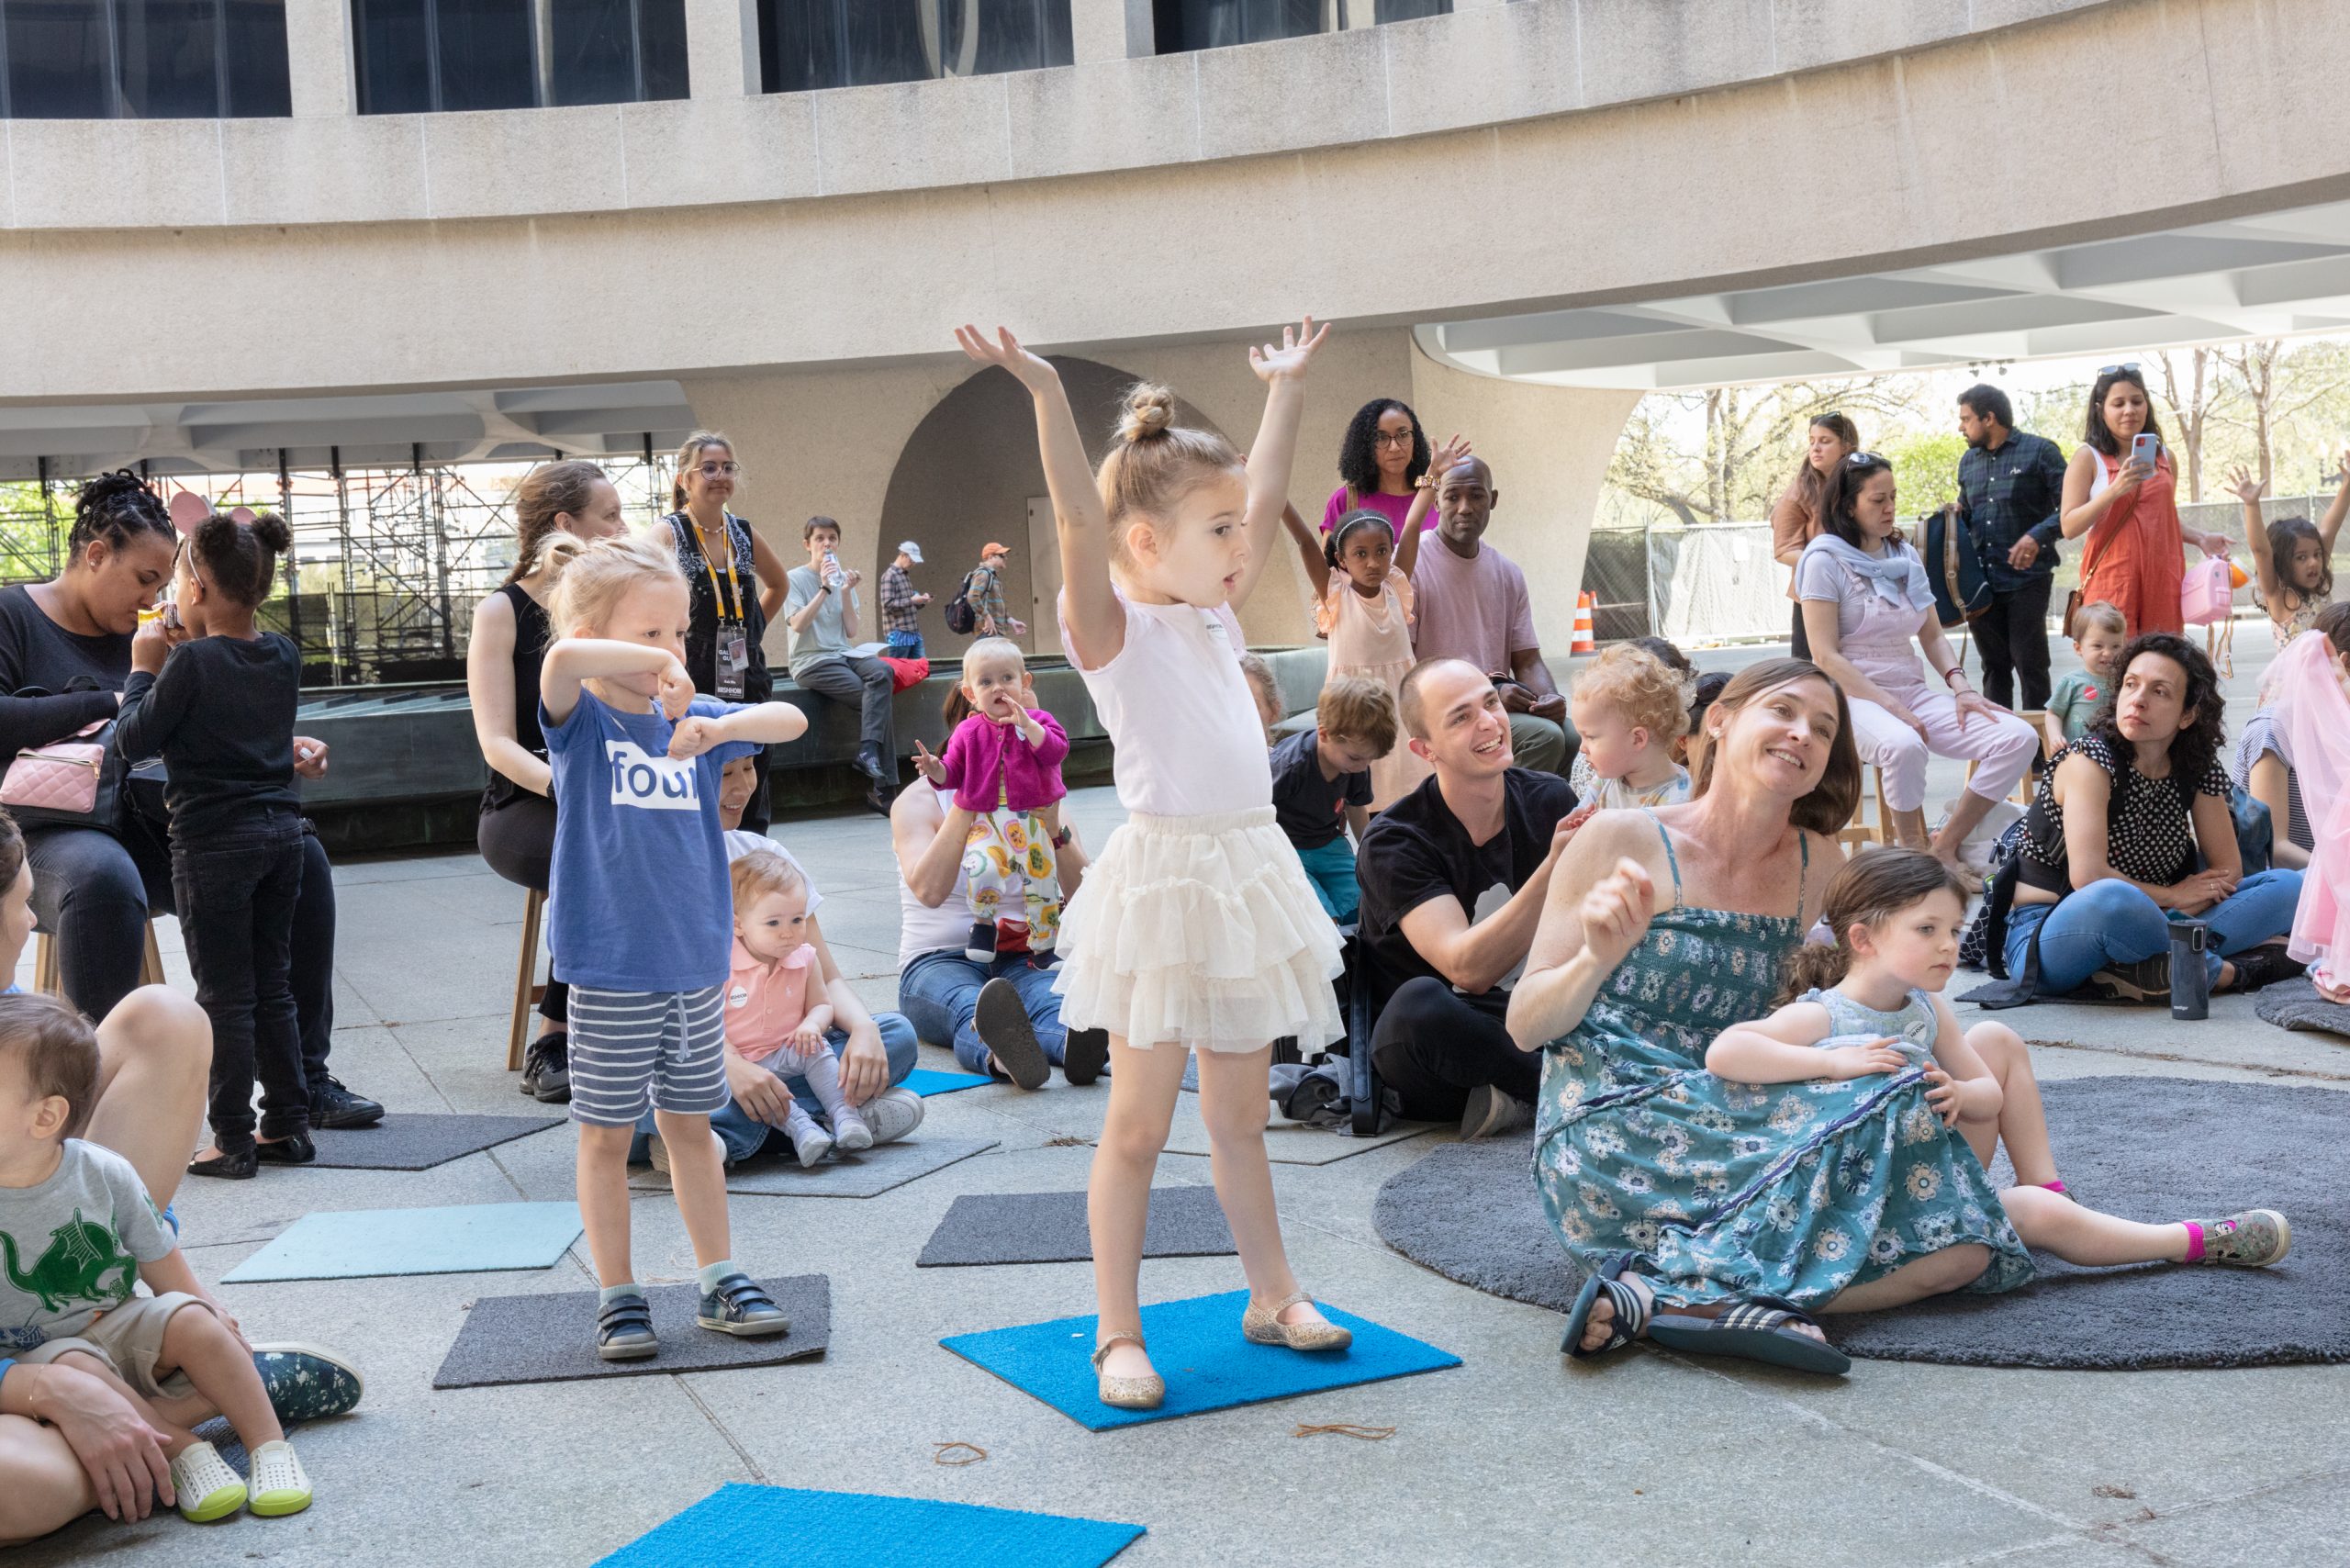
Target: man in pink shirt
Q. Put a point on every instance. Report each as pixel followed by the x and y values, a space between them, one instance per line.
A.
pixel 1473 605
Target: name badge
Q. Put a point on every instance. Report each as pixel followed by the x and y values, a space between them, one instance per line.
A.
pixel 734 660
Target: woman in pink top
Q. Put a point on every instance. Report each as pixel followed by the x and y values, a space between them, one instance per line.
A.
pixel 775 1014
pixel 1003 766
pixel 1381 461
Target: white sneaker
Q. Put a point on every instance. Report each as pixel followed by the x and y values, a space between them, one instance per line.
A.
pixel 280 1486
pixel 205 1487
pixel 1491 1113
pixel 892 1113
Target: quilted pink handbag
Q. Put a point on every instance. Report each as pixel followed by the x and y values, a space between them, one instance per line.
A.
pixel 61 783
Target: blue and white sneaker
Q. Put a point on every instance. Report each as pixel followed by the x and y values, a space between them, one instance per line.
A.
pixel 738 1307
pixel 305 1383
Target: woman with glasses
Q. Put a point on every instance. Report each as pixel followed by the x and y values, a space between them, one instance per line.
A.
pixel 2134 559
pixel 1794 517
pixel 737 584
pixel 1870 610
pixel 1383 463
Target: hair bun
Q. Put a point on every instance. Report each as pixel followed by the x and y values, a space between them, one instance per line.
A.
pixel 1150 412
pixel 273 532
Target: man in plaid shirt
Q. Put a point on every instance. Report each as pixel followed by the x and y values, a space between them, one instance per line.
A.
pixel 2011 490
pixel 901 606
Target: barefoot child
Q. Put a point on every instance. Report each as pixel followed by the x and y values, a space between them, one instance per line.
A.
pixel 1003 766
pixel 640 910
pixel 775 1014
pixel 1873 1004
pixel 1196 930
pixel 79 1230
pixel 1629 710
pixel 1322 785
pixel 2099 633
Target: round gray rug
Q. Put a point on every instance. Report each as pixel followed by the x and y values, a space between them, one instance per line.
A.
pixel 2147 1148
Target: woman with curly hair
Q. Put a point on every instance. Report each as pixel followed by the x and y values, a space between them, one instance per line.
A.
pixel 2111 844
pixel 1382 464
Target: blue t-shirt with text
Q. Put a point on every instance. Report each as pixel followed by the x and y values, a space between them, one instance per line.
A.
pixel 638 899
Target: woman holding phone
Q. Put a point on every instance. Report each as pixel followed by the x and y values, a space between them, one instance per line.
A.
pixel 2121 491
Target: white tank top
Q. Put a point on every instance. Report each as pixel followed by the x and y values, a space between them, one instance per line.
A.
pixel 922 929
pixel 1179 713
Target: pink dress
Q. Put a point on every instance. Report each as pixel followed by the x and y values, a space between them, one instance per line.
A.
pixel 1373 637
pixel 2315 711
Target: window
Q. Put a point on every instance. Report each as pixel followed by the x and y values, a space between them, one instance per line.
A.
pixel 142 59
pixel 854 43
pixel 1411 10
pixel 418 56
pixel 1212 24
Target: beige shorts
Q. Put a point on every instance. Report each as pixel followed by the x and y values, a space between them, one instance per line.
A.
pixel 129 1339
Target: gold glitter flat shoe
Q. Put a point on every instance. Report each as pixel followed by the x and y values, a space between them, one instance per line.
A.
pixel 1263 1326
pixel 1128 1393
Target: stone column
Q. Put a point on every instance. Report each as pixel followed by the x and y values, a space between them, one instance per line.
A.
pixel 317 58
pixel 1108 29
pixel 721 48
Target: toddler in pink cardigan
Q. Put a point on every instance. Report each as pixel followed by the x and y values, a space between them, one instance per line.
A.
pixel 1003 765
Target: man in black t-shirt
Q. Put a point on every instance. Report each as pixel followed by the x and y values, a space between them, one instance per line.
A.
pixel 1453 879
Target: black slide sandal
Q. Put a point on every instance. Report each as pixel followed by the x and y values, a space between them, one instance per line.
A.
pixel 1751 1328
pixel 1631 1312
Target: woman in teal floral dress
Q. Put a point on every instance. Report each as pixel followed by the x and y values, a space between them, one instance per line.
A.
pixel 1729 1213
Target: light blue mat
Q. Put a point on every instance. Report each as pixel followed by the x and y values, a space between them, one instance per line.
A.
pixel 927 1081
pixel 472 1240
pixel 1197 1346
pixel 741 1526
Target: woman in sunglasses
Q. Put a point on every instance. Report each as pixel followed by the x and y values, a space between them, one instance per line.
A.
pixel 2128 505
pixel 1794 517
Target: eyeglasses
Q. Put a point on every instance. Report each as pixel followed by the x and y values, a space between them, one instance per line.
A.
pixel 2131 368
pixel 1391 438
pixel 713 470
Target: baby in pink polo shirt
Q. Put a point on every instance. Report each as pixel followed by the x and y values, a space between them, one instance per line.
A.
pixel 775 1012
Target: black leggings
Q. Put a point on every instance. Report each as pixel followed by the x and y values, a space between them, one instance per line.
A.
pixel 517 840
pixel 1432 1045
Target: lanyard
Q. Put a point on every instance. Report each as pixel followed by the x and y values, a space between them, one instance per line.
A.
pixel 733 593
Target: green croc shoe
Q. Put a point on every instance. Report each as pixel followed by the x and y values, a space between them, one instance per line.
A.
pixel 208 1489
pixel 280 1486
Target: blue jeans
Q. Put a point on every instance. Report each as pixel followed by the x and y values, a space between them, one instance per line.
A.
pixel 904 645
pixel 1331 869
pixel 2112 922
pixel 940 993
pixel 745 1135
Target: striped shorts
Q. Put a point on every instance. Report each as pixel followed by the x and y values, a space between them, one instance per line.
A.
pixel 635 1050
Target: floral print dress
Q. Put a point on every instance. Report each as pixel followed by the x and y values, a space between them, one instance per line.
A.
pixel 1723 1190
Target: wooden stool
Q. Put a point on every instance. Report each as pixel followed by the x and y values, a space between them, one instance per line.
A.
pixel 528 992
pixel 2022 796
pixel 47 975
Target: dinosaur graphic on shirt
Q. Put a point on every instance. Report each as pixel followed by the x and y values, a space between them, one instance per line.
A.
pixel 72 1270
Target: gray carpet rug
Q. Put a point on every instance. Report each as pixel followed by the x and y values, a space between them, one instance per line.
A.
pixel 1049 1227
pixel 866 1175
pixel 2295 1005
pixel 2147 1148
pixel 550 1336
pixel 404 1141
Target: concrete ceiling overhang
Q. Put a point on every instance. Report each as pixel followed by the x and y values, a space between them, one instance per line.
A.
pixel 2267 277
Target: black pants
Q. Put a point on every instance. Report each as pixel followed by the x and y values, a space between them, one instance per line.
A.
pixel 1432 1045
pixel 237 893
pixel 2013 635
pixel 863 684
pixel 517 840
pixel 1799 642
pixel 92 891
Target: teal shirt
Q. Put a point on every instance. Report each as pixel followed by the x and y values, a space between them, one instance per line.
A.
pixel 2075 701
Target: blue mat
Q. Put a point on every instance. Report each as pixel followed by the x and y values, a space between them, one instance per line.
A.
pixel 927 1081
pixel 358 1243
pixel 1197 1347
pixel 741 1526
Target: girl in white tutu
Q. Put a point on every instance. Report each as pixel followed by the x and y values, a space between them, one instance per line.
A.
pixel 1196 930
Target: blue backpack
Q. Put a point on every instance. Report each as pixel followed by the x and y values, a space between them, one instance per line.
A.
pixel 1955 567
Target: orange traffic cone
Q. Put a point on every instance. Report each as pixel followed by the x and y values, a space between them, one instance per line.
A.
pixel 1585 602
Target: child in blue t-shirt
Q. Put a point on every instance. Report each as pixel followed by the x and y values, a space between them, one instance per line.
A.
pixel 640 914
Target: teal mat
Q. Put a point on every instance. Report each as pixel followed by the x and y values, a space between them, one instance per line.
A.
pixel 1197 1347
pixel 358 1243
pixel 741 1526
pixel 926 1080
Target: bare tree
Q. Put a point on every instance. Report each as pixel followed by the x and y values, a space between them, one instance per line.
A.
pixel 2191 398
pixel 2272 393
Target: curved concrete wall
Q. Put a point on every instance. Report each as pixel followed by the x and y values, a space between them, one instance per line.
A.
pixel 336 251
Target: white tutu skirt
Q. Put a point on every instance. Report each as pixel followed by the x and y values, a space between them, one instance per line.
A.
pixel 1201 931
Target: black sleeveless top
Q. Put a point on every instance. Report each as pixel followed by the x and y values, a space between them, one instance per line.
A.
pixel 531 640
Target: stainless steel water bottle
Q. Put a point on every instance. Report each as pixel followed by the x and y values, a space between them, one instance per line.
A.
pixel 2190 983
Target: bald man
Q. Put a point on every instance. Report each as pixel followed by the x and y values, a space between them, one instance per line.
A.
pixel 1471 604
pixel 1453 876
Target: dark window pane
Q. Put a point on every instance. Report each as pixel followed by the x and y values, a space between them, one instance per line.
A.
pixel 1011 35
pixel 885 42
pixel 486 61
pixel 1410 10
pixel 257 78
pixel 595 52
pixel 661 43
pixel 170 63
pixel 59 59
pixel 1213 24
pixel 800 44
pixel 393 47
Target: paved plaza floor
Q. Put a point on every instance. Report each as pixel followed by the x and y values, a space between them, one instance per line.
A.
pixel 1515 1456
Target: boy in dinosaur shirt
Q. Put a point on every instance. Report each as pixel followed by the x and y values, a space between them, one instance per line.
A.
pixel 77 1230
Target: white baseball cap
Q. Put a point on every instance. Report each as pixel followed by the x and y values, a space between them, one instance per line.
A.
pixel 910 551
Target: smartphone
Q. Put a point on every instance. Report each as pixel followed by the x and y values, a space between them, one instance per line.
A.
pixel 2145 449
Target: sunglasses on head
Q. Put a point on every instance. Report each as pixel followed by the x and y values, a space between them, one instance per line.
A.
pixel 1858 459
pixel 2129 369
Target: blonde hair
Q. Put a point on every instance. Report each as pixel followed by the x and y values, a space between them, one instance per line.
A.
pixel 759 872
pixel 1155 462
pixel 689 453
pixel 589 576
pixel 2105 617
pixel 1356 708
pixel 1640 686
pixel 988 648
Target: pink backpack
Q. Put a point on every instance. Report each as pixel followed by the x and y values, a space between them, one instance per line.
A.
pixel 2207 594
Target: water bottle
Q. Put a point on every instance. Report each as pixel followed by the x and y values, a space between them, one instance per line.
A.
pixel 2190 983
pixel 832 571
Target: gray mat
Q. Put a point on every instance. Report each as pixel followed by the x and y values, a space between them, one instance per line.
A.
pixel 402 1141
pixel 2147 1148
pixel 1049 1227
pixel 866 1175
pixel 552 1338
pixel 2295 1005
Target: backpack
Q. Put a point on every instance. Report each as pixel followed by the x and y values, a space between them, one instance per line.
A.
pixel 961 619
pixel 1955 567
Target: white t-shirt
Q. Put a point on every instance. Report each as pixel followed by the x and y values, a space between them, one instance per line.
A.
pixel 1189 739
pixel 922 929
